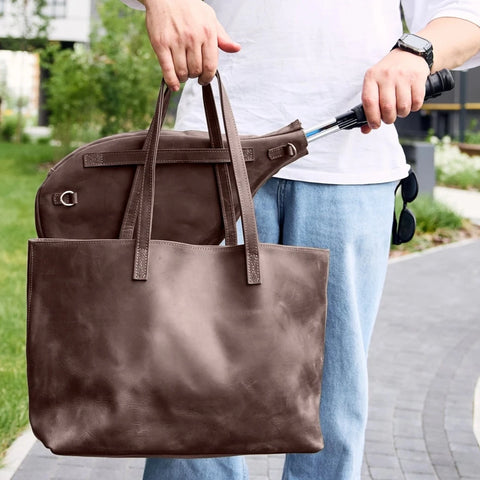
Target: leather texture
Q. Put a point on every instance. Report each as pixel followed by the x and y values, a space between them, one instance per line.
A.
pixel 146 347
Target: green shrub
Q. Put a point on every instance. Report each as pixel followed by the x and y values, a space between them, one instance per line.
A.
pixel 472 135
pixel 43 141
pixel 8 128
pixel 437 224
pixel 467 179
pixel 433 215
pixel 454 168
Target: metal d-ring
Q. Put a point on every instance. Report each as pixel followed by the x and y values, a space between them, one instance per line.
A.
pixel 62 200
pixel 292 149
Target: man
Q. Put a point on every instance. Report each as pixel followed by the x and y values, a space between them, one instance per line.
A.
pixel 312 60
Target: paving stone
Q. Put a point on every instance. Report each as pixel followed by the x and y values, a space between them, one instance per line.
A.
pixel 441 459
pixel 111 474
pixel 413 466
pixel 365 469
pixel 275 473
pixel 407 443
pixel 116 463
pixel 414 417
pixel 377 436
pixel 420 476
pixel 76 461
pixel 414 456
pixel 257 465
pixel 382 461
pixel 276 461
pixel 470 467
pixel 385 448
pixel 385 474
pixel 134 474
pixel 35 465
pixel 380 412
pixel 471 448
pixel 384 425
pixel 439 446
pixel 39 450
pixel 31 472
pixel 446 472
pixel 71 472
pixel 406 429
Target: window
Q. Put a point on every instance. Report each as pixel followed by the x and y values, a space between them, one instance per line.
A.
pixel 55 8
pixel 2 7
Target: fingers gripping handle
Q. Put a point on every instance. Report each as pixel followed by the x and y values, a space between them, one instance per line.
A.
pixel 436 84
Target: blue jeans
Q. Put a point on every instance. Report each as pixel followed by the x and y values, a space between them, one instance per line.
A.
pixel 354 222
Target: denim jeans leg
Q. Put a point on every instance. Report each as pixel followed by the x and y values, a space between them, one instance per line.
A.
pixel 354 222
pixel 224 468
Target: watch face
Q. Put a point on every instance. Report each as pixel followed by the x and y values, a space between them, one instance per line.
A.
pixel 415 42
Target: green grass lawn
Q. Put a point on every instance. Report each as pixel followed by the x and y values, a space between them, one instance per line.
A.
pixel 20 176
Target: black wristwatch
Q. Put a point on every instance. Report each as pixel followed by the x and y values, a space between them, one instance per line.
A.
pixel 416 45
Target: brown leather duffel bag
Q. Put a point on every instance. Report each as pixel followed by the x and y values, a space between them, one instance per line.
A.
pixel 94 191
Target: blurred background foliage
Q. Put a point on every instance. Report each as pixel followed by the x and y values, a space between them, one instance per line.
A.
pixel 107 87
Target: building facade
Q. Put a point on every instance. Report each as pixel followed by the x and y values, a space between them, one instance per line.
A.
pixel 20 72
pixel 452 113
pixel 70 20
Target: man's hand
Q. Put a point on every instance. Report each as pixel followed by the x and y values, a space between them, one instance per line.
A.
pixel 186 35
pixel 393 88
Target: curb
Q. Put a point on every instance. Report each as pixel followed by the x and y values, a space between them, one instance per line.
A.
pixel 16 454
pixel 429 251
pixel 476 412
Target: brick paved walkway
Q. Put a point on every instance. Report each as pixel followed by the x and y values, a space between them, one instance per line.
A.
pixel 424 363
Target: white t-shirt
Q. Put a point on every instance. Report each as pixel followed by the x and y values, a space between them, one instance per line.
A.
pixel 307 59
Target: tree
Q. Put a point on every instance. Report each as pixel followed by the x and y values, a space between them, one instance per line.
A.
pixel 72 94
pixel 112 84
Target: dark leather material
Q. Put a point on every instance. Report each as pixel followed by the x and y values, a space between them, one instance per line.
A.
pixel 141 347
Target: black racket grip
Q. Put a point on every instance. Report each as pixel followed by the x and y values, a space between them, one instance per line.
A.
pixel 436 84
pixel 439 82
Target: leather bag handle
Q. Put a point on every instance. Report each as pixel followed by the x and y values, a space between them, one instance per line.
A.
pixel 166 94
pixel 227 202
pixel 145 216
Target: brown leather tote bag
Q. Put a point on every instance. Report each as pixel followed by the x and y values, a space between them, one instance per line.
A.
pixel 143 347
